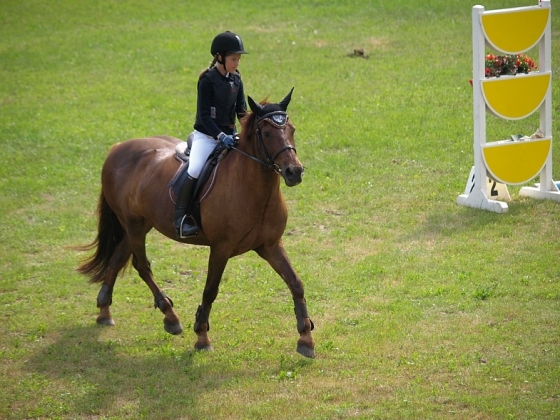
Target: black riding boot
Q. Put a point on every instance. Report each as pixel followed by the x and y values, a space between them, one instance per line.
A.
pixel 183 229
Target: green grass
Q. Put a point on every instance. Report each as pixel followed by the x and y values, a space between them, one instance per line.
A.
pixel 423 309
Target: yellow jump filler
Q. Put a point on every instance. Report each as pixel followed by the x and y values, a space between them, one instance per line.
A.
pixel 506 162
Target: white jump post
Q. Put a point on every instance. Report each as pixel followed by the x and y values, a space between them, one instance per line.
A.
pixel 506 162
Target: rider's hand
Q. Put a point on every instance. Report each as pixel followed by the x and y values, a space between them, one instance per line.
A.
pixel 226 140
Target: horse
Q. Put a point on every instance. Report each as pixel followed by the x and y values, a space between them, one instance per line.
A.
pixel 241 209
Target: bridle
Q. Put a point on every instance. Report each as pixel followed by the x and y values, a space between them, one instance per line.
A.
pixel 278 119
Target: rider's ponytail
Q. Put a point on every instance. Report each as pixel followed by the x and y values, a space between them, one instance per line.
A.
pixel 210 67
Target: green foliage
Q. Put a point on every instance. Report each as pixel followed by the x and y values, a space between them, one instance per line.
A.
pixel 423 309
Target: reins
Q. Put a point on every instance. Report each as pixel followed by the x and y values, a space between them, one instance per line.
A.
pixel 278 119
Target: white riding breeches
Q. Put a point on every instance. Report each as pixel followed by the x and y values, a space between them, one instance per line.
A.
pixel 202 146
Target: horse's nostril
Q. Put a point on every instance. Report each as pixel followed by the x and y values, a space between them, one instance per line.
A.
pixel 293 175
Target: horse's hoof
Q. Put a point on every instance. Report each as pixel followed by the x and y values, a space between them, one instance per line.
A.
pixel 174 328
pixel 108 322
pixel 203 347
pixel 306 351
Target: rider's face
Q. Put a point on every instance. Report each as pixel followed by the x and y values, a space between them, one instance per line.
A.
pixel 232 62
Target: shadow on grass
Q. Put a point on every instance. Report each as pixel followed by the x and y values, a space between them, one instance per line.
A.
pixel 471 220
pixel 103 378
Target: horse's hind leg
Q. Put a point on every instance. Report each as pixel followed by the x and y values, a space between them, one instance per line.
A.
pixel 118 260
pixel 171 322
pixel 278 260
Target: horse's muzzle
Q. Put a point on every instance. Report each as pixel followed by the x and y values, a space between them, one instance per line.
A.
pixel 292 175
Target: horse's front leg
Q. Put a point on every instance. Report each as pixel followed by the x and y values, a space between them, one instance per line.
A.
pixel 216 265
pixel 278 260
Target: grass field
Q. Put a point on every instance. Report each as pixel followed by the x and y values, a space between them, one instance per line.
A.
pixel 423 309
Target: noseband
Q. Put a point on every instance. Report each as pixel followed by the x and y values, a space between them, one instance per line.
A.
pixel 278 119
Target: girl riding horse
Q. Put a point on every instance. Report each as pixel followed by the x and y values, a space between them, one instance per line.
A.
pixel 220 98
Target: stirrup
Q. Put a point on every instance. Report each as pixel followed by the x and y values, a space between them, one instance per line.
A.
pixel 191 232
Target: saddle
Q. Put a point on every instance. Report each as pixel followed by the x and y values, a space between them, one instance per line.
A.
pixel 182 154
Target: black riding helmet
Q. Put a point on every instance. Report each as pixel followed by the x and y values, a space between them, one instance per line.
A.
pixel 227 42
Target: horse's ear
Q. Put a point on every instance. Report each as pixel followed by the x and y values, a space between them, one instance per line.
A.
pixel 255 107
pixel 284 103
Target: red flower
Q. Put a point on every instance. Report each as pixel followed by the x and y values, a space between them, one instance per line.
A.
pixel 500 65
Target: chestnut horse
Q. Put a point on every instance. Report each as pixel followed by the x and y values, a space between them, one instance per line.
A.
pixel 241 209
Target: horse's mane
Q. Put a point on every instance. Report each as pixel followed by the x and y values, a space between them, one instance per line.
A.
pixel 247 121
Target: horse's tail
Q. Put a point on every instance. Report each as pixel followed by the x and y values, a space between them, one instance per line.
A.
pixel 109 234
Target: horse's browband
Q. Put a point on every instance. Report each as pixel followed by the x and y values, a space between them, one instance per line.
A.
pixel 278 119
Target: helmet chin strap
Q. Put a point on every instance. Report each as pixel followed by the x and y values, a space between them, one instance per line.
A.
pixel 223 62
